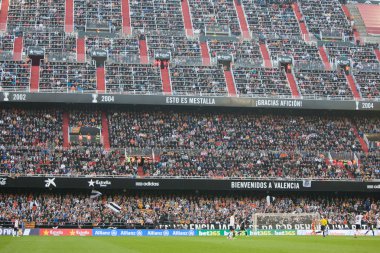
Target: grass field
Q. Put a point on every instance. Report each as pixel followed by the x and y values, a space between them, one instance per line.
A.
pixel 279 244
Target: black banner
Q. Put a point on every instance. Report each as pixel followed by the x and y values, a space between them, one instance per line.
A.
pixel 26 97
pixel 187 184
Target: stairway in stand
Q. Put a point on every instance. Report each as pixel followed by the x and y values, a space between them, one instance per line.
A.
pixel 81 50
pixel 205 53
pixel 165 79
pixel 242 19
pixel 230 83
pixel 35 75
pixel 4 15
pixel 187 18
pixel 352 85
pixel 325 59
pixel 17 48
pixel 65 129
pixel 126 17
pixel 105 133
pixel 302 25
pixel 377 53
pixel 140 171
pixel 349 17
pixel 143 51
pixel 293 85
pixel 361 140
pixel 69 16
pixel 265 54
pixel 100 79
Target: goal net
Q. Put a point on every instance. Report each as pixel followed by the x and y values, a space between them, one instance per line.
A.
pixel 285 221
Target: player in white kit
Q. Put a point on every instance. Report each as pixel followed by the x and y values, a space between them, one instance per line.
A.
pixel 231 235
pixel 15 228
pixel 358 223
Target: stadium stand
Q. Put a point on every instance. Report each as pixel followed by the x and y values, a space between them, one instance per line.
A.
pixel 103 13
pixel 161 15
pixel 198 80
pixel 358 54
pixel 210 13
pixel 323 83
pixel 14 75
pixel 174 42
pixel 133 78
pixel 368 82
pixel 114 46
pixel 267 18
pixel 6 42
pixel 36 14
pixel 261 82
pixel 53 41
pixel 155 143
pixel 140 128
pixel 30 128
pixel 147 210
pixel 325 19
pixel 64 76
pixel 243 52
pixel 300 51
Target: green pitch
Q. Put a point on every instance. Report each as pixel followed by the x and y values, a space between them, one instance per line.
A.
pixel 279 244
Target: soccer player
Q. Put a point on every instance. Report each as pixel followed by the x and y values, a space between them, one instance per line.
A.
pixel 323 226
pixel 243 228
pixel 232 227
pixel 358 223
pixel 15 228
pixel 370 222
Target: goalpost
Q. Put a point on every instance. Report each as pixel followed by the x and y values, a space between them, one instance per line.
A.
pixel 280 222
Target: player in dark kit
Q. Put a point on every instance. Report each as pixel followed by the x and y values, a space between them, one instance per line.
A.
pixel 243 228
pixel 371 220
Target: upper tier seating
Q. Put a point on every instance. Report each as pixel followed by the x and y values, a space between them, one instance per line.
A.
pixel 199 80
pixel 133 78
pixel 153 15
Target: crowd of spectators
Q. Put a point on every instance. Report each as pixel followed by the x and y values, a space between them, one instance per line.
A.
pixel 75 161
pixel 243 52
pixel 323 83
pixel 198 80
pixel 147 210
pixel 326 17
pixel 261 82
pixel 98 12
pixel 21 127
pixel 14 75
pixel 174 42
pixel 133 78
pixel 300 51
pixel 152 15
pixel 231 130
pixel 368 83
pixel 62 76
pixel 268 17
pixel 217 12
pixel 85 118
pixel 113 45
pixel 187 143
pixel 221 163
pixel 369 167
pixel 53 41
pixel 36 14
pixel 6 42
pixel 358 54
pixel 369 126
